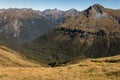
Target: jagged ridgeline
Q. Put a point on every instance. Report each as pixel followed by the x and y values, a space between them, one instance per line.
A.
pixel 94 33
pixel 21 25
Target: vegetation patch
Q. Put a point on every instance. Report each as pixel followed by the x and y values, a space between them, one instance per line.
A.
pixel 113 74
pixel 112 60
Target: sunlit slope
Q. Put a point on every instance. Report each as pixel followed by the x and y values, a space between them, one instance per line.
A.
pixel 9 57
pixel 89 69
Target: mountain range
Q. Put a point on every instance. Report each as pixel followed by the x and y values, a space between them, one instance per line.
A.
pixel 22 25
pixel 93 33
pixel 56 37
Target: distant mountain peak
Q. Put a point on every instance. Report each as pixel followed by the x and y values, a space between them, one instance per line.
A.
pixel 72 9
pixel 94 18
pixel 51 10
pixel 55 9
pixel 97 10
pixel 98 5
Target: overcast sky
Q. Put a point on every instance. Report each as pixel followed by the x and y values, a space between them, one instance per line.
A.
pixel 59 4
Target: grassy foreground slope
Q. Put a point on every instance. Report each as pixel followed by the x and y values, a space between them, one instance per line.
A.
pixel 10 58
pixel 89 69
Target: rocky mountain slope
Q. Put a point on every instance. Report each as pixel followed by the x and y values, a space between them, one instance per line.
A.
pixel 22 25
pixel 94 33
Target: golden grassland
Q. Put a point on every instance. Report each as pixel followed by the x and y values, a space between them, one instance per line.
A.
pixel 90 69
pixel 9 57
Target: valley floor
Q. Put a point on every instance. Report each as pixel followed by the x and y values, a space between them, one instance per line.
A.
pixel 90 69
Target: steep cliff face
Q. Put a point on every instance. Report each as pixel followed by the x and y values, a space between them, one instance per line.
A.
pixel 93 33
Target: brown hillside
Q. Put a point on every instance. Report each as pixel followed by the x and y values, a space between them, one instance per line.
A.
pixel 97 69
pixel 10 58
